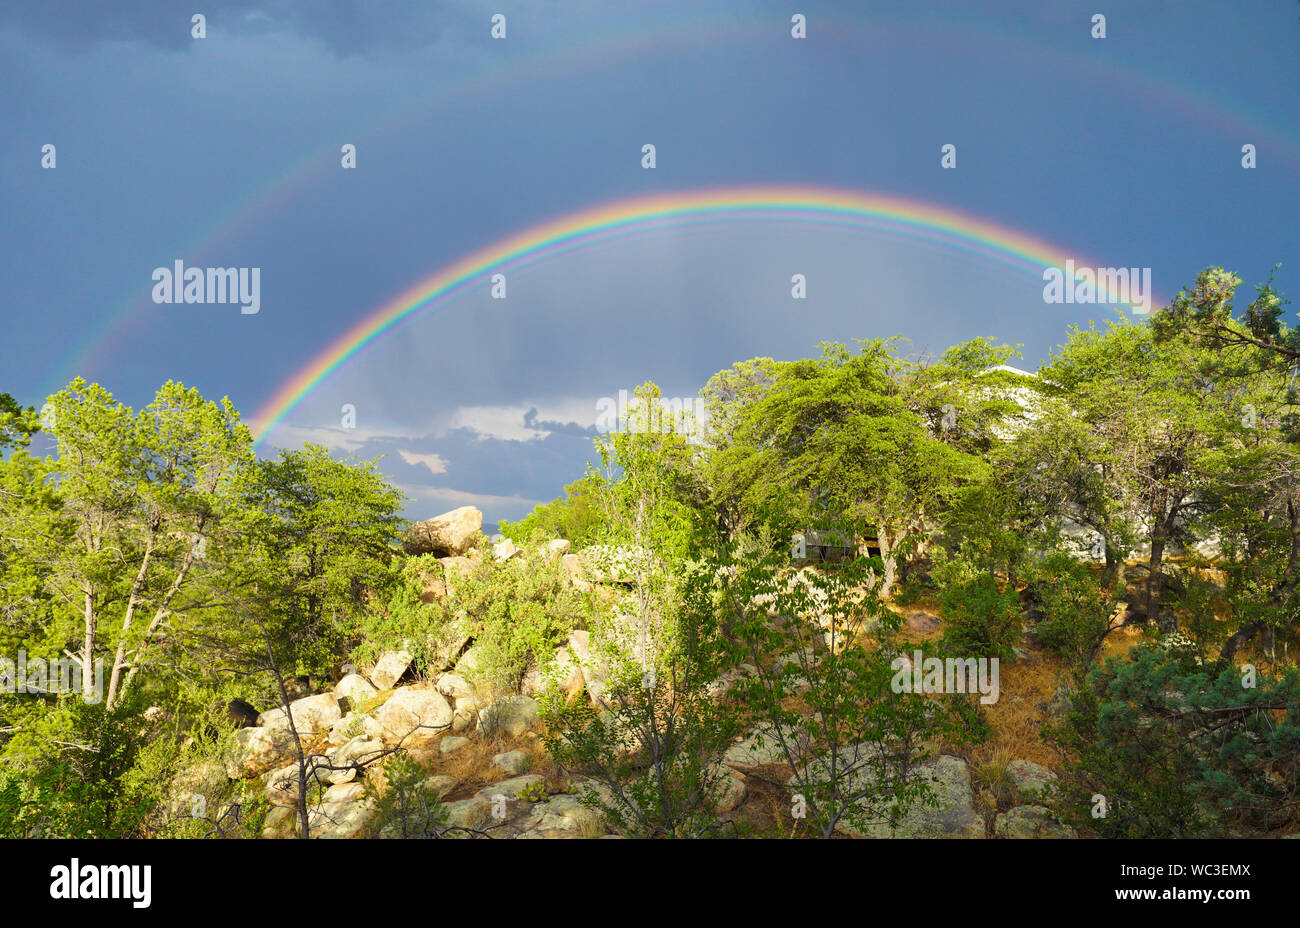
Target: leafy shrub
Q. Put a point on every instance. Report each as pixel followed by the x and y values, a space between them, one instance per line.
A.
pixel 1077 610
pixel 980 618
pixel 408 807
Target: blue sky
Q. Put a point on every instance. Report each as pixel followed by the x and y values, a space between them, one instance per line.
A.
pixel 224 151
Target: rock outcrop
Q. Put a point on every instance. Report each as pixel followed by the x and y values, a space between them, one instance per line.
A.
pixel 450 534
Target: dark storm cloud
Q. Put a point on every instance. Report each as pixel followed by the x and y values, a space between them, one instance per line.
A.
pixel 550 425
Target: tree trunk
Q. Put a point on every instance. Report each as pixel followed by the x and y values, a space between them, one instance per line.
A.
pixel 890 562
pixel 88 646
pixel 1160 533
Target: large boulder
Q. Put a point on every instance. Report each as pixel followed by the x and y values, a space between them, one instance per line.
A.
pixel 454 686
pixel 565 674
pixel 345 812
pixel 509 717
pixel 258 750
pixel 413 714
pixel 510 763
pixel 1031 781
pixel 953 815
pixel 449 534
pixel 556 549
pixel 761 747
pixel 281 822
pixel 732 789
pixel 562 817
pixel 356 689
pixel 389 669
pixel 312 715
pixel 574 573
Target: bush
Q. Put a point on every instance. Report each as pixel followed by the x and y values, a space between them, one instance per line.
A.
pixel 980 618
pixel 408 807
pixel 577 516
pixel 1076 609
pixel 1178 750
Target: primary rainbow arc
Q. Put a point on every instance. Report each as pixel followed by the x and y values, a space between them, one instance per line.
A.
pixel 912 219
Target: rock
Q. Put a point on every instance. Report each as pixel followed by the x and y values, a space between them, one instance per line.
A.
pixel 451 533
pixel 344 813
pixel 312 715
pixel 473 813
pixel 463 714
pixel 1030 780
pixel 440 784
pixel 760 747
pixel 1059 704
pixel 457 566
pixel 565 674
pixel 413 714
pixel 450 744
pixel 572 565
pixel 733 789
pixel 511 763
pixel 557 549
pixel 281 822
pixel 952 817
pixel 562 817
pixel 505 799
pixel 356 689
pixel 504 550
pixel 282 786
pixel 593 675
pixel 532 683
pixel 345 729
pixel 509 716
pixel 923 622
pixel 1030 822
pixel 469 663
pixel 454 686
pixel 258 750
pixel 389 669
pixel 359 750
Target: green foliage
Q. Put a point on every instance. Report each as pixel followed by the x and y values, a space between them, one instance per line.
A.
pixel 318 541
pixel 517 611
pixel 408 807
pixel 843 431
pixel 655 742
pixel 69 774
pixel 980 618
pixel 852 738
pixel 1179 749
pixel 1077 610
pixel 577 516
pixel 17 424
